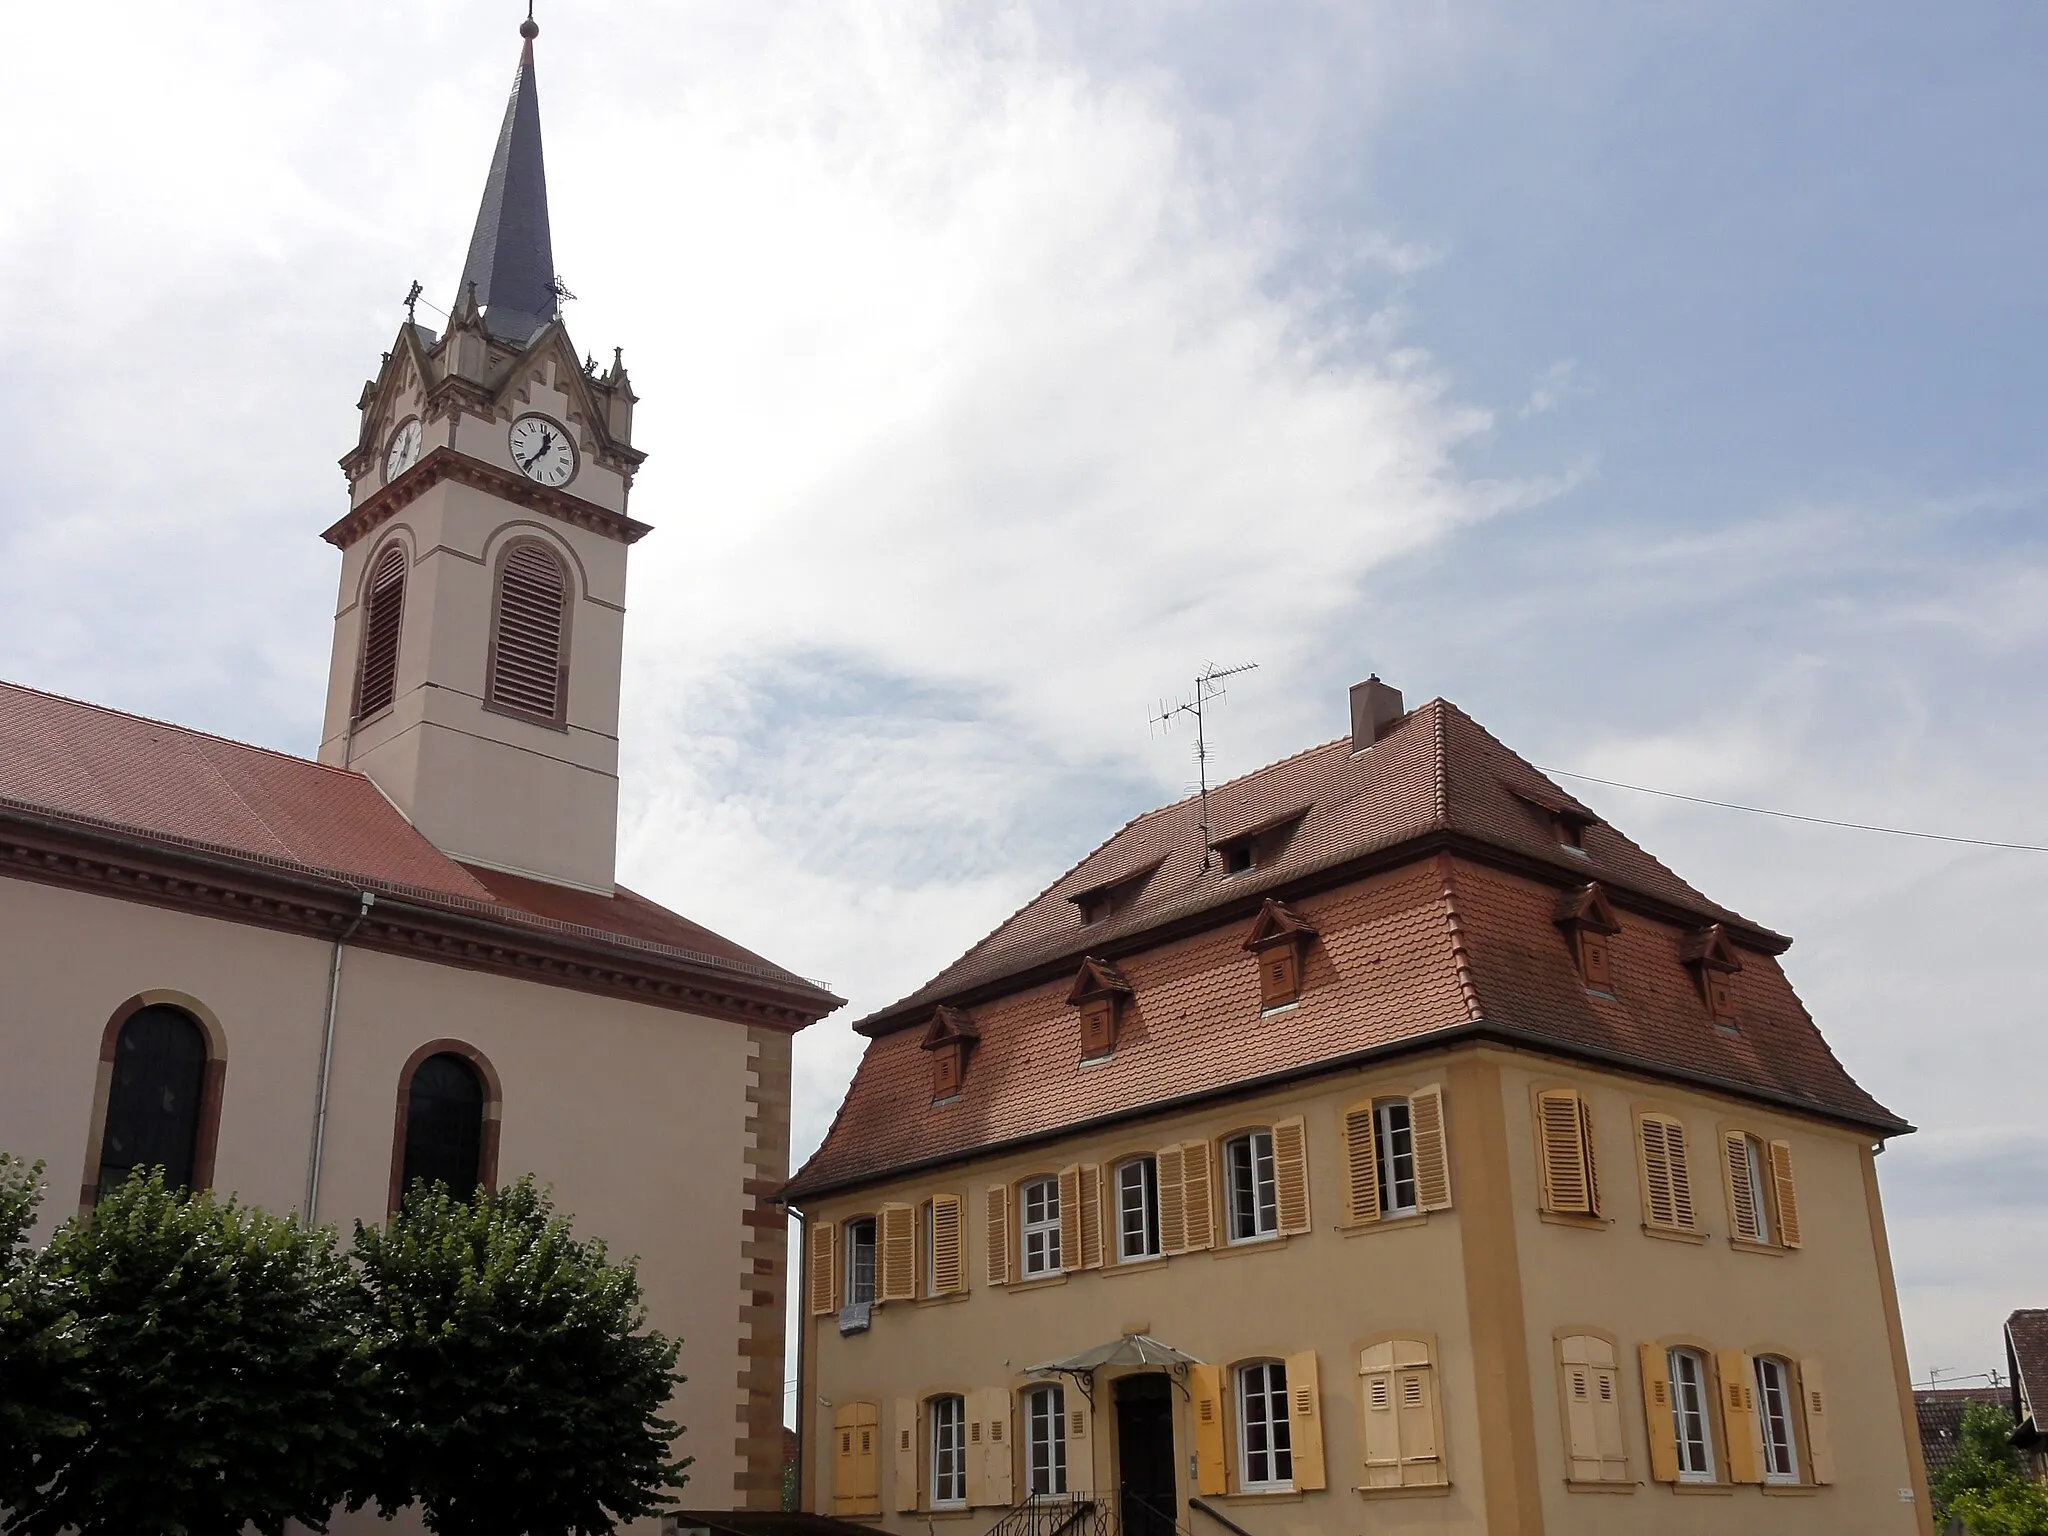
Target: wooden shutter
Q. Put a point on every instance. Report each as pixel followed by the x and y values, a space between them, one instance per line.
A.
pixel 856 1485
pixel 1361 1165
pixel 1205 1386
pixel 1813 1406
pixel 1198 1206
pixel 1279 976
pixel 1091 1216
pixel 1382 1432
pixel 1595 964
pixel 1305 1420
pixel 528 669
pixel 383 617
pixel 996 1233
pixel 896 1237
pixel 1401 1437
pixel 1564 1132
pixel 824 1287
pixel 904 1444
pixel 1421 1457
pixel 1290 1173
pixel 1079 1430
pixel 989 1469
pixel 1740 1432
pixel 1667 1180
pixel 1432 1156
pixel 1663 1434
pixel 1098 1027
pixel 1788 1198
pixel 1741 1193
pixel 1173 1200
pixel 949 1249
pixel 1070 1218
pixel 1591 1381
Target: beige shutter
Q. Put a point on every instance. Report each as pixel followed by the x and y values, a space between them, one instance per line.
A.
pixel 1564 1132
pixel 995 1205
pixel 896 1236
pixel 1205 1386
pixel 973 1427
pixel 1813 1405
pixel 1663 1434
pixel 1421 1458
pixel 1361 1165
pixel 1173 1200
pixel 1788 1198
pixel 1432 1157
pixel 824 1287
pixel 1612 1441
pixel 990 1478
pixel 1402 1448
pixel 1080 1431
pixel 1290 1173
pixel 1070 1218
pixel 1741 1193
pixel 1581 1423
pixel 1653 1166
pixel 1740 1432
pixel 1681 1175
pixel 903 1443
pixel 842 1459
pixel 1382 1432
pixel 1091 1216
pixel 1305 1420
pixel 949 1249
pixel 1198 1205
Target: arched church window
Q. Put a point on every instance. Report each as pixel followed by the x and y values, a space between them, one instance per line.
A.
pixel 444 1125
pixel 529 632
pixel 153 1101
pixel 384 612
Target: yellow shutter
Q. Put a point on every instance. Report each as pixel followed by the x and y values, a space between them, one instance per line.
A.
pixel 1205 1384
pixel 1563 1130
pixel 1080 1444
pixel 973 1426
pixel 1740 1431
pixel 1173 1200
pixel 1401 1439
pixel 1741 1195
pixel 855 1480
pixel 903 1443
pixel 1653 1167
pixel 1788 1198
pixel 1070 1217
pixel 1415 1388
pixel 1813 1406
pixel 1432 1158
pixel 949 1257
pixel 997 1438
pixel 1382 1432
pixel 896 1236
pixel 842 1459
pixel 1305 1420
pixel 1198 1206
pixel 1091 1216
pixel 1613 1443
pixel 995 1207
pixel 824 1287
pixel 1663 1433
pixel 1290 1173
pixel 1681 1175
pixel 1361 1166
pixel 1581 1421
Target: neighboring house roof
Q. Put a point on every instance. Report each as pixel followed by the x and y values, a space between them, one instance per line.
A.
pixel 1940 1412
pixel 2026 1348
pixel 1432 941
pixel 105 775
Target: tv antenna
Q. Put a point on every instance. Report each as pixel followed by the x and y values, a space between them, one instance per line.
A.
pixel 1209 685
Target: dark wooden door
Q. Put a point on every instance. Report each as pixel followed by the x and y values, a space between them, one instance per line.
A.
pixel 1147 1491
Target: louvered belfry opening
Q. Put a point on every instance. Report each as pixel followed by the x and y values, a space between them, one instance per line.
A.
pixel 377 684
pixel 529 670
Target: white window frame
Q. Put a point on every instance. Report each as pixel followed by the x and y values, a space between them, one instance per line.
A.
pixel 854 1271
pixel 1137 1210
pixel 1756 1160
pixel 1045 1441
pixel 1262 1414
pixel 1774 1408
pixel 1253 1203
pixel 1394 1142
pixel 948 1452
pixel 1692 1398
pixel 1038 1237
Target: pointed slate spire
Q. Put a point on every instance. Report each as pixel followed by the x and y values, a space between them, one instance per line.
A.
pixel 511 257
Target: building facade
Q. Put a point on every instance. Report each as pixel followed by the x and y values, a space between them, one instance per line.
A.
pixel 1389 1143
pixel 308 983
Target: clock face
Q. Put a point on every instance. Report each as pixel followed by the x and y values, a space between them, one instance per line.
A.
pixel 540 448
pixel 404 451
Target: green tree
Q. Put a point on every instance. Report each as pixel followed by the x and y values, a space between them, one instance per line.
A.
pixel 1984 1486
pixel 517 1389
pixel 38 1338
pixel 216 1372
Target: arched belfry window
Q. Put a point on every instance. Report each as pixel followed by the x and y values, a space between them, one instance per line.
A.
pixel 447 1123
pixel 530 632
pixel 383 615
pixel 154 1098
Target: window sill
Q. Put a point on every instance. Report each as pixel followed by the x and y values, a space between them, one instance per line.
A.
pixel 1731 1031
pixel 1606 992
pixel 1708 1490
pixel 1440 1490
pixel 1035 1283
pixel 1150 1264
pixel 951 1098
pixel 1389 1224
pixel 950 1299
pixel 947 1512
pixel 1674 1234
pixel 1568 1219
pixel 1579 1485
pixel 1744 1245
pixel 1258 1496
pixel 1279 1008
pixel 545 722
pixel 1790 1490
pixel 1099 1059
pixel 1271 1244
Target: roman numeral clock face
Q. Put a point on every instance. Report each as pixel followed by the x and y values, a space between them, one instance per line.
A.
pixel 542 451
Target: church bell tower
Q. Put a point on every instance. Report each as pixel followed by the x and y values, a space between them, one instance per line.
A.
pixel 477 640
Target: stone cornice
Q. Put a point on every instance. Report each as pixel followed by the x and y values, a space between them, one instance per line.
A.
pixel 446 463
pixel 129 865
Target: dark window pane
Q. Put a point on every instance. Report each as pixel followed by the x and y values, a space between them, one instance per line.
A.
pixel 444 1125
pixel 153 1102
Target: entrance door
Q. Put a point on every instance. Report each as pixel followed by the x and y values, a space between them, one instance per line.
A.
pixel 1147 1494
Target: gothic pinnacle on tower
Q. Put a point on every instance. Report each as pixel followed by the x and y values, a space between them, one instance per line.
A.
pixel 511 255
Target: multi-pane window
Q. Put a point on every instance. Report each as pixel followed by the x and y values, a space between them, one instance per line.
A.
pixel 1774 1415
pixel 1045 1439
pixel 1752 1176
pixel 444 1125
pixel 1265 1457
pixel 1137 1209
pixel 1397 1158
pixel 153 1101
pixel 860 1261
pixel 949 1451
pixel 1254 1200
pixel 1689 1427
pixel 1041 1227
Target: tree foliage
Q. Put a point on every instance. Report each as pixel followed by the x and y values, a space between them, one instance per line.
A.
pixel 38 1338
pixel 1984 1486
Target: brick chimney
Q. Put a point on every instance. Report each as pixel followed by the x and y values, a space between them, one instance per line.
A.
pixel 1375 710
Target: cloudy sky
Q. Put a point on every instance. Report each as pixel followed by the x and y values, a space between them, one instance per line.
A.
pixel 1661 383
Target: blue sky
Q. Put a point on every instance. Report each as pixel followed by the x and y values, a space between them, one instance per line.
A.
pixel 1660 383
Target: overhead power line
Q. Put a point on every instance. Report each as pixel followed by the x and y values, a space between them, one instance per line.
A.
pixel 1819 821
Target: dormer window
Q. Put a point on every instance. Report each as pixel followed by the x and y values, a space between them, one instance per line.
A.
pixel 1237 858
pixel 1257 846
pixel 1099 902
pixel 1566 818
pixel 1712 960
pixel 1280 938
pixel 1587 922
pixel 948 1038
pixel 1100 992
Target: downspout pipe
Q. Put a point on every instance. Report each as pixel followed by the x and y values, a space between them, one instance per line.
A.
pixel 369 900
pixel 797 1280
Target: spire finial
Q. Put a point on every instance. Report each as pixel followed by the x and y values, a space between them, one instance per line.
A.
pixel 529 28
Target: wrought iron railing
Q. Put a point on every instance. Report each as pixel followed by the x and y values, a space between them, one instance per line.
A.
pixel 1057 1514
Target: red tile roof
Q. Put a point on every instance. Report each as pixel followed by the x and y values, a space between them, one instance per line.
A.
pixel 1940 1412
pixel 2026 1337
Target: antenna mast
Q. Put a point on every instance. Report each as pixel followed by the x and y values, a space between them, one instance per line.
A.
pixel 1209 685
